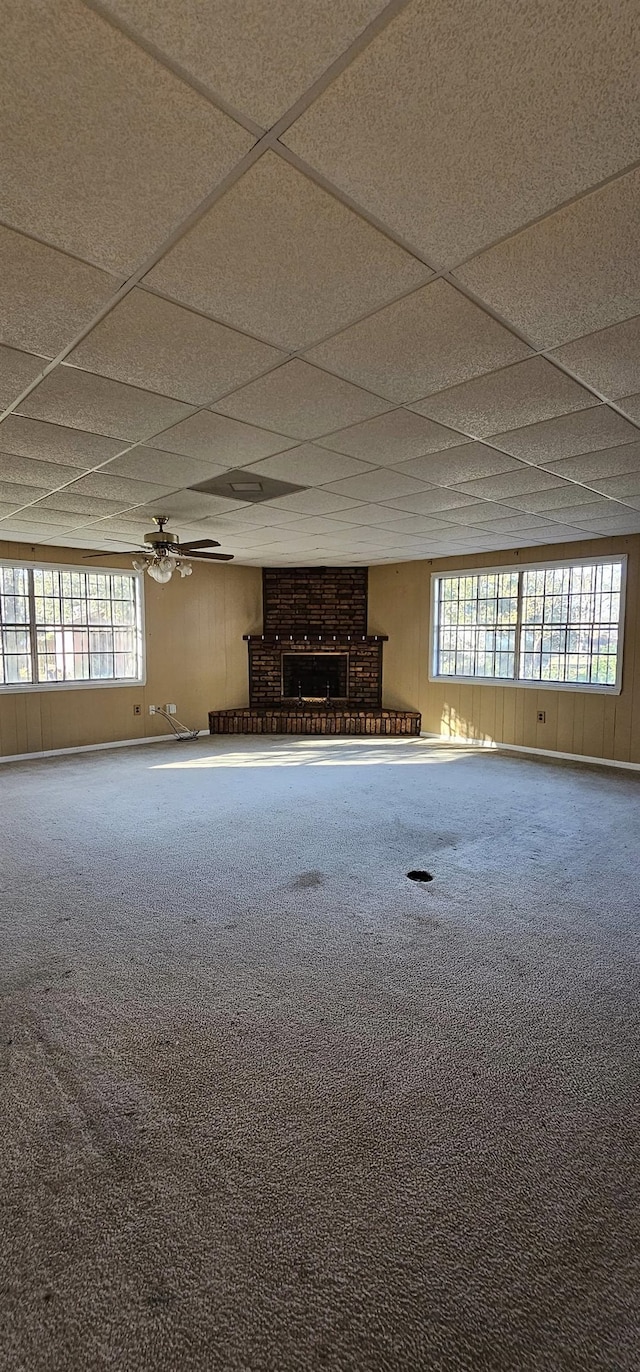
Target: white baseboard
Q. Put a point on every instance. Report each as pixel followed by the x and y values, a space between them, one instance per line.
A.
pixel 495 745
pixel 93 747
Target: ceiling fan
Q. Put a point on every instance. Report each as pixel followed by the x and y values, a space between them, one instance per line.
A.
pixel 168 554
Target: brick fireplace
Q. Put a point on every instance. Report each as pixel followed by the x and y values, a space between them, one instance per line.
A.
pixel 314 668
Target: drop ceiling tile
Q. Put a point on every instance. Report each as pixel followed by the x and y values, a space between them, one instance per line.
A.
pixel 118 489
pixel 619 487
pixel 54 443
pixel 381 483
pixel 480 512
pixel 225 442
pixel 16 493
pixel 610 462
pixel 292 263
pixel 324 524
pixel 417 524
pixel 314 501
pixel 107 172
pixel 17 371
pixel 469 461
pixel 558 497
pixel 391 438
pixel 583 514
pixel 516 523
pixel 432 338
pixel 627 523
pixel 194 507
pixel 301 401
pixel 7 509
pixel 631 406
pixel 309 466
pixel 47 297
pixel 569 435
pixel 44 474
pixel 25 531
pixel 551 103
pixel 258 59
pixel 608 360
pixel 165 469
pixel 504 487
pixel 267 512
pixel 81 400
pixel 570 274
pixel 38 514
pixel 152 343
pixel 507 399
pixel 67 501
pixel 372 516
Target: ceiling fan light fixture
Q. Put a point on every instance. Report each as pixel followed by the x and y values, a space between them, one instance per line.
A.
pixel 139 564
pixel 185 568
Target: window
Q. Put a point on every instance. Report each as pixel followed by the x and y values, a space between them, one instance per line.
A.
pixel 67 626
pixel 554 625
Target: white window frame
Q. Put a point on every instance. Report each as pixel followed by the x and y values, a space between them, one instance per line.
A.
pixel 590 688
pixel 13 688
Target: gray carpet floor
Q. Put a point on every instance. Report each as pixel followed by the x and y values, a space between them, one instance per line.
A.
pixel 267 1105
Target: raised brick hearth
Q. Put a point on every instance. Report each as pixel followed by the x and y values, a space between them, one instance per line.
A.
pixel 315 612
pixel 315 720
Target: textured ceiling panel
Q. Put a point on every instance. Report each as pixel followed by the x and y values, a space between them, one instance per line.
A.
pixel 167 469
pixel 465 463
pixel 118 488
pixel 72 501
pixel 258 58
pixel 302 401
pixel 32 473
pixel 523 108
pixel 631 406
pixel 15 493
pixel 55 443
pixel 17 370
pixel 380 484
pixel 150 342
pixel 432 338
pixel 81 400
pixel 310 466
pixel 47 297
pixel 281 258
pixel 577 271
pixel 213 437
pixel 585 432
pixel 393 437
pixel 103 150
pixel 314 502
pixel 520 394
pixel 609 360
pixel 509 484
pixel 610 462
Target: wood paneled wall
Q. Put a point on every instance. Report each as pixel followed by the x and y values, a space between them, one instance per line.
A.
pixel 195 656
pixel 591 725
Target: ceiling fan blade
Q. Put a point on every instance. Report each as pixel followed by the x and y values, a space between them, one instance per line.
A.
pixel 126 552
pixel 198 543
pixel 211 557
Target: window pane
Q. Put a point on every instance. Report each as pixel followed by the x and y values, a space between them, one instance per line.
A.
pixel 570 624
pixel 86 626
pixel 477 616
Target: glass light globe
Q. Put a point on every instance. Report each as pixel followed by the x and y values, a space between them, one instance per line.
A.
pixel 185 568
pixel 139 564
pixel 161 571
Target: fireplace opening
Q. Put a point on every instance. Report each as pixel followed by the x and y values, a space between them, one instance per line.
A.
pixel 315 676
